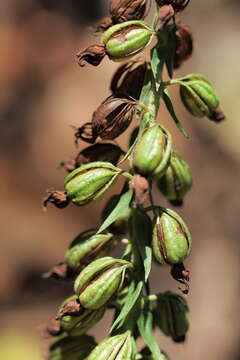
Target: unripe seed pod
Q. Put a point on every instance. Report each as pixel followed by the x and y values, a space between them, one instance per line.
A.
pixel 198 96
pixel 117 347
pixel 120 226
pixel 99 281
pixel 152 153
pixel 87 247
pixel 89 182
pixel 113 117
pixel 171 240
pixel 178 5
pixel 126 10
pixel 122 41
pixel 129 78
pixel 71 348
pixel 172 316
pixel 177 180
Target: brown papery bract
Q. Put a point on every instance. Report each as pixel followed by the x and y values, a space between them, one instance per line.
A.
pixel 126 10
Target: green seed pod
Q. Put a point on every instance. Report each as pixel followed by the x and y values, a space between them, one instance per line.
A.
pixel 99 281
pixel 79 323
pixel 172 316
pixel 87 247
pixel 120 226
pixel 117 347
pixel 122 41
pixel 177 180
pixel 71 348
pixel 89 182
pixel 152 153
pixel 198 95
pixel 171 240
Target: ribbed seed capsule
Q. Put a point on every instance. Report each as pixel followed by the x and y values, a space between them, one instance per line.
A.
pixel 113 117
pixel 171 240
pixel 198 95
pixel 77 324
pixel 89 182
pixel 152 153
pixel 126 10
pixel 117 347
pixel 100 280
pixel 129 78
pixel 177 180
pixel 87 247
pixel 172 316
pixel 122 41
pixel 71 348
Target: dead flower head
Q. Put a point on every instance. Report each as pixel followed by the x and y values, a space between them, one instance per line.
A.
pixel 93 55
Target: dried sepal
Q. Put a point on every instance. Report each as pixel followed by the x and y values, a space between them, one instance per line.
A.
pixel 85 133
pixel 93 55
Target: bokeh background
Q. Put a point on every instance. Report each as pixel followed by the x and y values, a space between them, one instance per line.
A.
pixel 42 93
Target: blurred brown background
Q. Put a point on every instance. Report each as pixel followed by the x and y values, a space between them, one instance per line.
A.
pixel 42 93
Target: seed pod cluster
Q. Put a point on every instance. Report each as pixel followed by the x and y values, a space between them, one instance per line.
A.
pixel 130 219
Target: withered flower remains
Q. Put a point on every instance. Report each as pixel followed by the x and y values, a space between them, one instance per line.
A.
pixel 126 10
pixel 178 5
pixel 93 55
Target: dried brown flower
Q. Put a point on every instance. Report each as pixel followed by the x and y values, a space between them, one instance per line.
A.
pixel 218 115
pixel 178 5
pixel 126 10
pixel 184 45
pixel 140 187
pixel 86 133
pixel 93 55
pixel 56 197
pixel 113 117
pixel 129 78
pixel 165 14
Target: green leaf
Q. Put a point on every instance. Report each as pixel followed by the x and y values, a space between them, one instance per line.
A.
pixel 123 203
pixel 142 234
pixel 170 107
pixel 145 326
pixel 171 52
pixel 134 291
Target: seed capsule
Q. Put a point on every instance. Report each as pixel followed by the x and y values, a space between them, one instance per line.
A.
pixel 153 151
pixel 129 78
pixel 122 41
pixel 89 182
pixel 171 240
pixel 172 316
pixel 78 322
pixel 178 5
pixel 126 10
pixel 87 247
pixel 198 96
pixel 71 348
pixel 184 45
pixel 177 180
pixel 113 117
pixel 99 281
pixel 117 347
